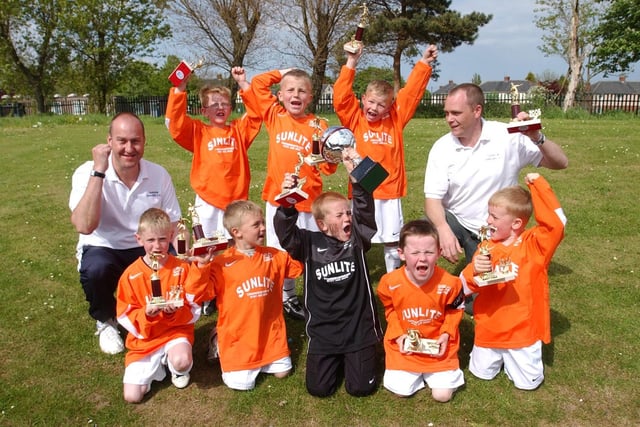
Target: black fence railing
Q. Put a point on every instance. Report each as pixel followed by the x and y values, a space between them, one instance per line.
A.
pixel 430 106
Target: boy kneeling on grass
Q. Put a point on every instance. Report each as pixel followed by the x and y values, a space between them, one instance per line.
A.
pixel 512 318
pixel 163 335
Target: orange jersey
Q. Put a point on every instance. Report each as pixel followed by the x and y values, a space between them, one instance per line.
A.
pixel 147 334
pixel 288 136
pixel 248 293
pixel 433 309
pixel 220 170
pixel 516 314
pixel 382 141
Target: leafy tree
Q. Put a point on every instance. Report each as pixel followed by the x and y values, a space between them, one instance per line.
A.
pixel 105 35
pixel 363 78
pixel 476 79
pixel 30 48
pixel 399 26
pixel 225 30
pixel 618 37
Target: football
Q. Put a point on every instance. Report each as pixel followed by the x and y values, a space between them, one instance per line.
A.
pixel 333 141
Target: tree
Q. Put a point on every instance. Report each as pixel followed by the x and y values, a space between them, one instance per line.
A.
pixel 363 78
pixel 399 26
pixel 618 38
pixel 30 47
pixel 569 29
pixel 320 27
pixel 227 30
pixel 105 35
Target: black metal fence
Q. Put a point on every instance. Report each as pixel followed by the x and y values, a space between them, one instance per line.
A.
pixel 430 106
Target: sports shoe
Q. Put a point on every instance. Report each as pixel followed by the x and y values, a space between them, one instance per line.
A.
pixel 180 381
pixel 212 350
pixel 110 339
pixel 293 309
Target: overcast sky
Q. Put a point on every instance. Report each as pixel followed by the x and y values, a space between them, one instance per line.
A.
pixel 506 46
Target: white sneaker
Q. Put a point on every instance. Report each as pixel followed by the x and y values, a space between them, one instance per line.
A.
pixel 180 381
pixel 110 339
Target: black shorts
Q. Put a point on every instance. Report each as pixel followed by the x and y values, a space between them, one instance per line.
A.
pixel 358 367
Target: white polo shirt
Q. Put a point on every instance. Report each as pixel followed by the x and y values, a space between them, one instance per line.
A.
pixel 121 207
pixel 465 178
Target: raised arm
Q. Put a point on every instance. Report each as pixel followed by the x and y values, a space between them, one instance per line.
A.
pixel 85 217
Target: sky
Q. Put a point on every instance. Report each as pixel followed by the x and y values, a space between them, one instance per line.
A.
pixel 506 46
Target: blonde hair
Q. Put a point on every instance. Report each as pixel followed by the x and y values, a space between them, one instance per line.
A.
pixel 317 207
pixel 154 219
pixel 297 74
pixel 418 227
pixel 207 90
pixel 380 88
pixel 236 211
pixel 515 200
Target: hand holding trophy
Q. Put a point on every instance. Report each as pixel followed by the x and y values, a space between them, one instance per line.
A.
pixel 292 192
pixel 353 45
pixel 414 343
pixel 157 300
pixel 182 72
pixel 532 121
pixel 489 275
pixel 201 243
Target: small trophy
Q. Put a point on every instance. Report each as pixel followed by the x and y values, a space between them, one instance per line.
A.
pixel 366 172
pixel 183 70
pixel 416 344
pixel 182 239
pixel 502 271
pixel 316 156
pixel 356 40
pixel 522 126
pixel 156 299
pixel 295 194
pixel 201 243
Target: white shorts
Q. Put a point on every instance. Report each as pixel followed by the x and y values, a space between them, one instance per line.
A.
pixel 151 368
pixel 523 366
pixel 389 221
pixel 305 220
pixel 210 218
pixel 246 380
pixel 405 383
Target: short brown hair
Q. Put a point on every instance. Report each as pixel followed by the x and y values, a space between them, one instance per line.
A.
pixel 380 87
pixel 516 200
pixel 235 212
pixel 418 227
pixel 475 95
pixel 206 90
pixel 317 207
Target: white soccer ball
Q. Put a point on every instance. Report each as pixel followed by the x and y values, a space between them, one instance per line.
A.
pixel 333 141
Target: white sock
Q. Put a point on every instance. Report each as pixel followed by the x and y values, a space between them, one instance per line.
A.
pixel 288 289
pixel 391 258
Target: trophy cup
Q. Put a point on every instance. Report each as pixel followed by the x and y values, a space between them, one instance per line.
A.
pixel 502 271
pixel 366 172
pixel 201 243
pixel 353 45
pixel 526 125
pixel 295 194
pixel 316 156
pixel 182 239
pixel 416 344
pixel 183 70
pixel 156 299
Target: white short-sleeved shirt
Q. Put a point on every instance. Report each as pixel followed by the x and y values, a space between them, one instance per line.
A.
pixel 121 207
pixel 464 178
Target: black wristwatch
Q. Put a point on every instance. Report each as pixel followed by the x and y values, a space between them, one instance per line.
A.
pixel 98 174
pixel 540 140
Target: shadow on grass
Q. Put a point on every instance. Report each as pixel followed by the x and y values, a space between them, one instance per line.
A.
pixel 559 325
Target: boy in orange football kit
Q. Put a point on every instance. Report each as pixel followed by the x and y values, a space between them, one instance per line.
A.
pixel 512 317
pixel 425 298
pixel 291 130
pixel 377 126
pixel 159 335
pixel 247 280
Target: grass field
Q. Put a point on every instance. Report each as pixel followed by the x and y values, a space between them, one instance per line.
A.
pixel 53 373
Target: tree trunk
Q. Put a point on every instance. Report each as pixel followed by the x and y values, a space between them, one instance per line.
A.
pixel 575 64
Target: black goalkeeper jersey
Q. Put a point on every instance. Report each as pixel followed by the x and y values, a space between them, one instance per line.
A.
pixel 340 305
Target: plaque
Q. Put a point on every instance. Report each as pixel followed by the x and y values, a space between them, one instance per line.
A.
pixel 295 194
pixel 353 45
pixel 526 125
pixel 416 344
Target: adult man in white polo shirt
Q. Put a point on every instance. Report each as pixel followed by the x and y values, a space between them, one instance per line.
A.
pixel 108 195
pixel 467 165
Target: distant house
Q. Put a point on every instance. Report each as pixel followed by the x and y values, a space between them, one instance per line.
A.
pixel 501 90
pixel 614 95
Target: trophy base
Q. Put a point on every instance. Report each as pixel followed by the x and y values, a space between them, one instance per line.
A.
pixel 424 345
pixel 314 159
pixel 369 174
pixel 291 197
pixel 524 126
pixel 180 73
pixel 352 46
pixel 202 246
pixel 493 278
pixel 161 302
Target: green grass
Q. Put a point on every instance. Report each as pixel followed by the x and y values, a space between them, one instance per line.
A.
pixel 52 372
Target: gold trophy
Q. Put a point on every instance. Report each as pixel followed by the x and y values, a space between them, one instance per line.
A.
pixel 526 125
pixel 157 299
pixel 182 239
pixel 295 194
pixel 414 343
pixel 202 243
pixel 501 272
pixel 353 45
pixel 316 156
